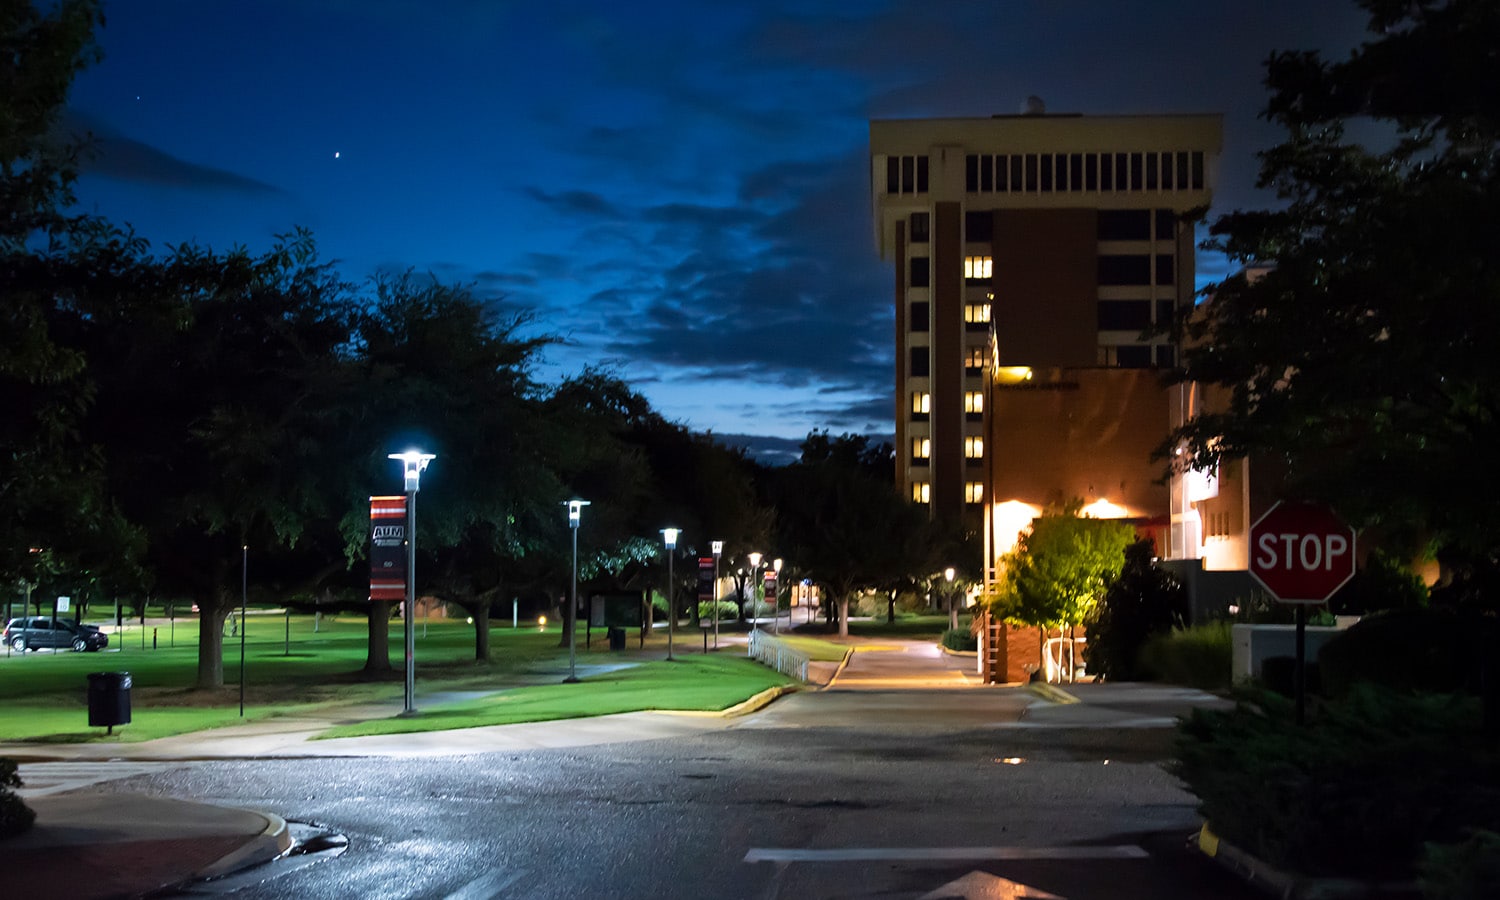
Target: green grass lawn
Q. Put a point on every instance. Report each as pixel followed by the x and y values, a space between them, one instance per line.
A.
pixel 43 694
pixel 701 683
pixel 813 648
pixel 906 626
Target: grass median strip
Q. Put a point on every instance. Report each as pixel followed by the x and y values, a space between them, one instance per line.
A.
pixel 696 683
pixel 814 648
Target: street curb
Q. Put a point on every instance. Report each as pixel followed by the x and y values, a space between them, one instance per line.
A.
pixel 1050 692
pixel 1290 886
pixel 972 654
pixel 270 844
pixel 757 702
pixel 843 664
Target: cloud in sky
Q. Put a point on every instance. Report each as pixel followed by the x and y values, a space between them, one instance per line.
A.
pixel 111 154
pixel 679 189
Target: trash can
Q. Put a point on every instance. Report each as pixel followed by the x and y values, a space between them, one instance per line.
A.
pixel 109 699
pixel 617 639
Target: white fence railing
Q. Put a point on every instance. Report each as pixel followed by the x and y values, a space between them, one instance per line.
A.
pixel 778 655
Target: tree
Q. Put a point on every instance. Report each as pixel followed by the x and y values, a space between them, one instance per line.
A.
pixel 47 256
pixel 1362 361
pixel 454 373
pixel 841 519
pixel 217 383
pixel 1060 568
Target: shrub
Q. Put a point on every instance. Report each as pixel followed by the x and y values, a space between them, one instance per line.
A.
pixel 760 609
pixel 1201 656
pixel 1384 583
pixel 1279 674
pixel 1465 871
pixel 729 611
pixel 1355 792
pixel 1145 600
pixel 15 816
pixel 959 639
pixel 1410 649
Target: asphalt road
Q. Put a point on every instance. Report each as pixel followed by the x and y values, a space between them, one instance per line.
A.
pixel 854 793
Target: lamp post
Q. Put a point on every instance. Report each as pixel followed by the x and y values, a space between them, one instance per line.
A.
pixel 718 551
pixel 413 464
pixel 776 600
pixel 754 574
pixel 669 537
pixel 575 513
pixel 948 574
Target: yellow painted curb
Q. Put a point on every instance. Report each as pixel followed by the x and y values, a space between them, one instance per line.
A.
pixel 1050 692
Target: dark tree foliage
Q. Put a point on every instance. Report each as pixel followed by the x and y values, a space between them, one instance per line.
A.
pixel 1363 361
pixel 1144 600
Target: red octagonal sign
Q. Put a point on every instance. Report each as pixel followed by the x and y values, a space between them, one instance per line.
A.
pixel 1301 552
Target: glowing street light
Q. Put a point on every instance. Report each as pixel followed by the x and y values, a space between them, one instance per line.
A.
pixel 754 575
pixel 776 600
pixel 413 464
pixel 669 537
pixel 575 513
pixel 718 551
pixel 948 574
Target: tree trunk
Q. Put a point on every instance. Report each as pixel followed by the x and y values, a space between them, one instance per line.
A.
pixel 844 615
pixel 481 613
pixel 212 610
pixel 890 608
pixel 378 659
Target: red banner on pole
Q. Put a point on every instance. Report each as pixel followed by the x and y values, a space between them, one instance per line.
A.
pixel 388 548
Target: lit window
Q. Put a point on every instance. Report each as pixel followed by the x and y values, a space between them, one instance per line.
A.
pixel 973 401
pixel 921 402
pixel 977 313
pixel 974 447
pixel 977 267
pixel 921 491
pixel 974 359
pixel 921 448
pixel 973 492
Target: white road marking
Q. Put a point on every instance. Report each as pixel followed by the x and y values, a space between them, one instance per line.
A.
pixel 487 886
pixel 883 854
pixel 45 779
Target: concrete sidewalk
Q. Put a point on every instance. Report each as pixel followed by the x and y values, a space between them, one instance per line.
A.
pixel 86 846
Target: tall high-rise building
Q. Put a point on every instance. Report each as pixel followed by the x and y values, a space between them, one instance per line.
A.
pixel 1032 252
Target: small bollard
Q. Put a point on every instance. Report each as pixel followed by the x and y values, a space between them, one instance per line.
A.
pixel 153 639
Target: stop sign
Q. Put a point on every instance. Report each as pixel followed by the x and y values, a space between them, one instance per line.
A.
pixel 1301 552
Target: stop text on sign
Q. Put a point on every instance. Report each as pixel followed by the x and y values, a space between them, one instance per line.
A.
pixel 1307 552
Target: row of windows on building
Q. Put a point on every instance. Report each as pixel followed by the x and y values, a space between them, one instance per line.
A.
pixel 1113 315
pixel 1074 172
pixel 1114 269
pixel 921 450
pixel 976 318
pixel 921 404
pixel 921 491
pixel 1112 225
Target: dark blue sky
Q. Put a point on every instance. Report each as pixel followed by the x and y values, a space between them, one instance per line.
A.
pixel 679 189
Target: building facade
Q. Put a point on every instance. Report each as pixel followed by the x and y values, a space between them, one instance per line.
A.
pixel 1032 253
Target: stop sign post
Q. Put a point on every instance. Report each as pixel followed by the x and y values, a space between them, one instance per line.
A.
pixel 1301 553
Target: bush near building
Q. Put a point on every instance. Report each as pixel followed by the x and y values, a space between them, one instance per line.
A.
pixel 1412 649
pixel 1201 656
pixel 1145 600
pixel 1355 792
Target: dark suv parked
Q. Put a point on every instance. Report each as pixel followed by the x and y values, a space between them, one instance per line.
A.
pixel 43 631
